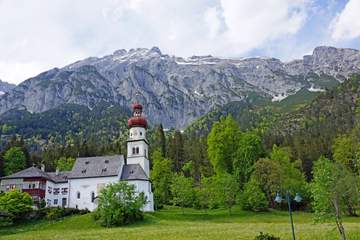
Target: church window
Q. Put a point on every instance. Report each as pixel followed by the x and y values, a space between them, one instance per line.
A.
pixel 137 150
pixel 78 195
pixel 92 197
pixel 140 133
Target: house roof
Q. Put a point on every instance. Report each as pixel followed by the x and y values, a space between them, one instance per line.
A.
pixel 103 166
pixel 34 172
pixel 133 172
pixel 60 177
pixel 30 172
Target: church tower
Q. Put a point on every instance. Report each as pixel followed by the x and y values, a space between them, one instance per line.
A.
pixel 137 144
pixel 137 156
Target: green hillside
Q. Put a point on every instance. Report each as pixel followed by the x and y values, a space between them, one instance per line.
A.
pixel 103 123
pixel 194 224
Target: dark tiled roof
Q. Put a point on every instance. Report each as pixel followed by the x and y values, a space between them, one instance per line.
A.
pixel 60 177
pixel 133 172
pixel 34 172
pixel 97 166
pixel 29 172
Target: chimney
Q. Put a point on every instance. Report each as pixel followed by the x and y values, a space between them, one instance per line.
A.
pixel 43 167
pixel 57 171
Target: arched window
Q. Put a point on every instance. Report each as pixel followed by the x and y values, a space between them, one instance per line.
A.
pixel 78 195
pixel 92 197
pixel 133 150
pixel 137 150
pixel 140 133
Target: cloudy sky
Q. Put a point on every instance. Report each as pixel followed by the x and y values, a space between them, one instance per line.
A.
pixel 36 35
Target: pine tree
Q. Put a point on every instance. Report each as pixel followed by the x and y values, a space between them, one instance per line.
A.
pixel 176 151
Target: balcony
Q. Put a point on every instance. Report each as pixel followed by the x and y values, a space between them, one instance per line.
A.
pixel 6 188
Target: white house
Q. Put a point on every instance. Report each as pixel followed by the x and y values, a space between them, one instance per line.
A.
pixel 80 187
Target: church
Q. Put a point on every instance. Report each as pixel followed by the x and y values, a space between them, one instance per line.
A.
pixel 80 187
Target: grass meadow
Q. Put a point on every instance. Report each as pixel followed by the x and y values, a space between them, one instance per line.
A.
pixel 170 223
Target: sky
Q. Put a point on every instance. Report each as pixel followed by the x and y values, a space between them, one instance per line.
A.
pixel 36 35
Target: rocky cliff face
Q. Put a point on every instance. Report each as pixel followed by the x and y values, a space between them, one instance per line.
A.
pixel 5 87
pixel 175 90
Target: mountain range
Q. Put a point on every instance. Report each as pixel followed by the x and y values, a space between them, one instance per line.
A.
pixel 176 91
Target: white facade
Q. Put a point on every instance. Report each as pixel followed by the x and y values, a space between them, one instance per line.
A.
pixel 145 187
pixel 85 190
pixel 57 194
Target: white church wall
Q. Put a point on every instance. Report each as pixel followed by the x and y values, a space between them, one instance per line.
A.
pixel 145 187
pixel 87 186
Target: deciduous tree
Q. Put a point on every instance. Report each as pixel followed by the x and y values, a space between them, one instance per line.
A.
pixel 15 160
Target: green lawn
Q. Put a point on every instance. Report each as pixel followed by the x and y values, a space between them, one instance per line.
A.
pixel 194 224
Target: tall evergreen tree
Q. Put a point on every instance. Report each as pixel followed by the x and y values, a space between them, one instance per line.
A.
pixel 176 151
pixel 160 140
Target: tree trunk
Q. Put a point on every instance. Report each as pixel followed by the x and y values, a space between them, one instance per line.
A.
pixel 339 220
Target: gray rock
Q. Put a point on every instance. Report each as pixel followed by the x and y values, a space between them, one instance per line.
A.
pixel 175 90
pixel 5 87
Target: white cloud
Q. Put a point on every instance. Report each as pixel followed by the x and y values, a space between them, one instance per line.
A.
pixel 346 25
pixel 37 35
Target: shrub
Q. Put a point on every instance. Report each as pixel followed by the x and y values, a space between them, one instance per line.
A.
pixel 266 236
pixel 182 191
pixel 119 204
pixel 15 204
pixel 6 219
pixel 55 213
pixel 253 198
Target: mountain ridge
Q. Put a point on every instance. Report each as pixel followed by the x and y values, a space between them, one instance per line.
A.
pixel 176 91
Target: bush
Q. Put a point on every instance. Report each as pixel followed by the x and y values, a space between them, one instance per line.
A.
pixel 266 236
pixel 16 205
pixel 253 198
pixel 55 213
pixel 6 219
pixel 119 204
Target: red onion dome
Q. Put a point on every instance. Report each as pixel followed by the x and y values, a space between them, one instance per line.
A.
pixel 137 122
pixel 137 105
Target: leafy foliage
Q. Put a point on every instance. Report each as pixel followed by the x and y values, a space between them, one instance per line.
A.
pixel 182 191
pixel 266 236
pixel 253 198
pixel 16 203
pixel 15 160
pixel 65 163
pixel 161 177
pixel 331 187
pixel 119 204
pixel 222 145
